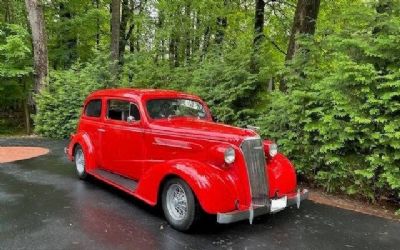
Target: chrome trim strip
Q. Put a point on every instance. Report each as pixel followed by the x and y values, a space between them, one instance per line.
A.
pixel 171 143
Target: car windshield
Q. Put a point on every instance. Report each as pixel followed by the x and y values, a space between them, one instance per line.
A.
pixel 169 108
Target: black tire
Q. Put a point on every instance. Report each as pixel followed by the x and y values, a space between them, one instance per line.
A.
pixel 80 171
pixel 193 213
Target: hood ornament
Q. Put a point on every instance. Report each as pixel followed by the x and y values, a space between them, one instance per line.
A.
pixel 254 128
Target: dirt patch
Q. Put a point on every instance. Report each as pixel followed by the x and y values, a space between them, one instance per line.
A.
pixel 10 154
pixel 380 210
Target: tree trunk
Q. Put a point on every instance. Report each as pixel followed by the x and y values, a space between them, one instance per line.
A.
pixel 39 42
pixel 304 22
pixel 222 23
pixel 7 12
pixel 27 115
pixel 137 43
pixel 123 30
pixel 197 37
pixel 96 2
pixel 259 23
pixel 71 43
pixel 173 52
pixel 132 44
pixel 188 41
pixel 258 35
pixel 382 6
pixel 26 104
pixel 115 33
pixel 206 42
pixel 115 28
pixel 142 4
pixel 160 43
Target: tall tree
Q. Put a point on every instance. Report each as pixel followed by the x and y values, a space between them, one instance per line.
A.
pixel 39 42
pixel 174 50
pixel 115 28
pixel 97 5
pixel 115 35
pixel 68 39
pixel 258 33
pixel 259 22
pixel 222 23
pixel 206 41
pixel 305 19
pixel 125 33
pixel 188 40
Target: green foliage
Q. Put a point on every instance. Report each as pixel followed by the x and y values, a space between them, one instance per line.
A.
pixel 224 82
pixel 59 106
pixel 73 26
pixel 15 63
pixel 227 86
pixel 340 118
pixel 9 127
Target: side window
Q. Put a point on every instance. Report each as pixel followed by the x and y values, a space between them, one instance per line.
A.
pixel 93 108
pixel 121 110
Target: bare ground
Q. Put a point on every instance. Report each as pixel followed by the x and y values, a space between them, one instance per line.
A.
pixel 380 209
pixel 10 154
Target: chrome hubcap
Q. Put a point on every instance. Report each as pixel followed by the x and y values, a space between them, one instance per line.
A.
pixel 176 202
pixel 80 161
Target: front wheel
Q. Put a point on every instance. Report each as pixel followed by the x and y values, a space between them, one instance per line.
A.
pixel 80 165
pixel 180 205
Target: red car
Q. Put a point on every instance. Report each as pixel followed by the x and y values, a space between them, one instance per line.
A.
pixel 163 147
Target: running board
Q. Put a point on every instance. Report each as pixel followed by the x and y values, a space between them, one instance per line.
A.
pixel 118 180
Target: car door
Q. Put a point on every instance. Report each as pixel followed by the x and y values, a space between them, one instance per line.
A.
pixel 91 123
pixel 123 151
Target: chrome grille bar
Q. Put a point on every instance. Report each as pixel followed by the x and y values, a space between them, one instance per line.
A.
pixel 253 152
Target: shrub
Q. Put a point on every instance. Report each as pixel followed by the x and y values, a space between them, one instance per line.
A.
pixel 340 119
pixel 60 104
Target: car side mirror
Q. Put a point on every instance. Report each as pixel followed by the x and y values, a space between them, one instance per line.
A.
pixel 130 119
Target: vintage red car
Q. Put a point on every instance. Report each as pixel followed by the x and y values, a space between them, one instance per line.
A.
pixel 163 147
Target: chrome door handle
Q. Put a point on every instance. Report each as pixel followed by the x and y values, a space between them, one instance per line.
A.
pixel 101 130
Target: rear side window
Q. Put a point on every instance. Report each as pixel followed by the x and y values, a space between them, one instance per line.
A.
pixel 93 108
pixel 120 110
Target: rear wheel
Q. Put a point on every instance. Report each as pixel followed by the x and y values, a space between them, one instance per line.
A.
pixel 80 162
pixel 180 205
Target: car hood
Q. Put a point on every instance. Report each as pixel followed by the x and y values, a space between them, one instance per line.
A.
pixel 202 129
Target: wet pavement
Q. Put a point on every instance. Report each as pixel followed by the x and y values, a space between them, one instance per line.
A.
pixel 43 205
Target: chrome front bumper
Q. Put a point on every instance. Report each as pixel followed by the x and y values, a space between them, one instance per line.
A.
pixel 226 218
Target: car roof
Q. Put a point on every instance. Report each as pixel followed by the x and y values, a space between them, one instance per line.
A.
pixel 132 92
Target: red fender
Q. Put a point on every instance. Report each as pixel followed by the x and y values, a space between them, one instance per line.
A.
pixel 84 140
pixel 212 186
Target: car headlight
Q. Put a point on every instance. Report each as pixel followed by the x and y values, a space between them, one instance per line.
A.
pixel 273 149
pixel 229 155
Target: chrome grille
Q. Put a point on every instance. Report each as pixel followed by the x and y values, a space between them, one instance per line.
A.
pixel 253 152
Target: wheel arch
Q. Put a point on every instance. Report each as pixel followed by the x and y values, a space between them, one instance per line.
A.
pixel 212 188
pixel 162 184
pixel 83 140
pixel 74 146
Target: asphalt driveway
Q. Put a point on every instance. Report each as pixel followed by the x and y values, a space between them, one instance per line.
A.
pixel 43 205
